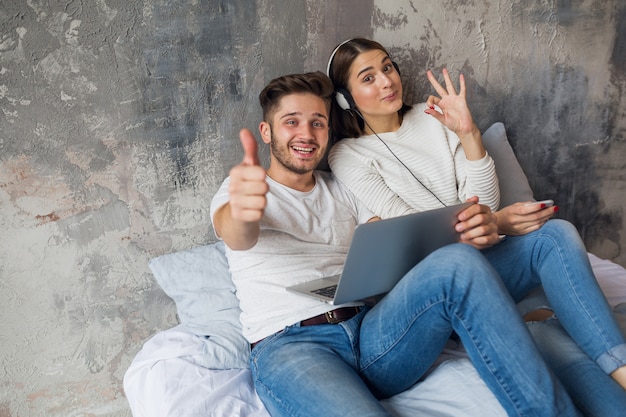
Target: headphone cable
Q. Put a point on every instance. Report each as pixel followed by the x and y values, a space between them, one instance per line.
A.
pixel 395 156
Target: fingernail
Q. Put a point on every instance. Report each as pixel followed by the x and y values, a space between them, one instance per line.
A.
pixel 432 107
pixel 543 206
pixel 556 208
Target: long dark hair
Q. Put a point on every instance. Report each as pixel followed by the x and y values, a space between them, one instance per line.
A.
pixel 346 123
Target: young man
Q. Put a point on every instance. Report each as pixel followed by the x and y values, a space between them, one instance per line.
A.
pixel 290 224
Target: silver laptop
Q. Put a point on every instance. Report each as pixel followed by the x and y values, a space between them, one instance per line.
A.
pixel 382 252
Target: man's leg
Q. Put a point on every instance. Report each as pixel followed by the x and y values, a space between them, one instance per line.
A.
pixel 310 371
pixel 456 289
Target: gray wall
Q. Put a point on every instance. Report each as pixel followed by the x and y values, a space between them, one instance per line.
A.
pixel 119 119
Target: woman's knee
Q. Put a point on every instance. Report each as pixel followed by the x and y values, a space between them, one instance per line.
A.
pixel 559 228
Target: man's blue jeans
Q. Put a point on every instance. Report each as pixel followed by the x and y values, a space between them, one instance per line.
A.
pixel 342 370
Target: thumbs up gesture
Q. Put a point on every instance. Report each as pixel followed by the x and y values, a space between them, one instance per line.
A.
pixel 248 187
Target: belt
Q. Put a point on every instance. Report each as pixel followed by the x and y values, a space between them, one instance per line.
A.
pixel 330 317
pixel 333 316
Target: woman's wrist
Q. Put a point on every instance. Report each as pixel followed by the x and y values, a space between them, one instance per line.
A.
pixel 472 143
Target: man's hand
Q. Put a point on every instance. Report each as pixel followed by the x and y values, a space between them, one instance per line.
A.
pixel 522 218
pixel 238 221
pixel 477 225
pixel 248 187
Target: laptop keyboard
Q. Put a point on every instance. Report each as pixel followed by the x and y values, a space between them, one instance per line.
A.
pixel 326 291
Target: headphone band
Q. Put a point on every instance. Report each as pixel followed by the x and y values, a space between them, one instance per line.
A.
pixel 332 55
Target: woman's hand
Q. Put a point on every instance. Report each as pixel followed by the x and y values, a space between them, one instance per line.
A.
pixel 521 218
pixel 477 225
pixel 455 114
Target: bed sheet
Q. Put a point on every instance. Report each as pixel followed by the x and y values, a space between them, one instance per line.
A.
pixel 166 378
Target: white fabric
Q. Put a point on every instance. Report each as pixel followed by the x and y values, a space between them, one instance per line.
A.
pixel 198 280
pixel 308 241
pixel 430 151
pixel 166 378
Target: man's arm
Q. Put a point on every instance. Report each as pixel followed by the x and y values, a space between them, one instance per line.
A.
pixel 238 221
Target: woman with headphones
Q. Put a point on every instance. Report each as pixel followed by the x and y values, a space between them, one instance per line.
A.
pixel 399 159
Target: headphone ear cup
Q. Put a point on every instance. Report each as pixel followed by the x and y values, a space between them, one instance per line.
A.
pixel 395 65
pixel 344 99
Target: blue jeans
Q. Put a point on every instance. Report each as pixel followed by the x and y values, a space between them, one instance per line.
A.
pixel 343 370
pixel 555 257
pixel 594 392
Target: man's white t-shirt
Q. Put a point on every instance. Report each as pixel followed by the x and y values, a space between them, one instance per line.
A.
pixel 304 236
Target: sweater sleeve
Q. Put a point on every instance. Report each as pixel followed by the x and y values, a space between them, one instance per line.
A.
pixel 481 180
pixel 359 174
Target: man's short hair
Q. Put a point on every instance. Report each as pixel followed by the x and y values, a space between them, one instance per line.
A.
pixel 316 83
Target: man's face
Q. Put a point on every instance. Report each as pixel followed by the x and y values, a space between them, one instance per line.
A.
pixel 297 133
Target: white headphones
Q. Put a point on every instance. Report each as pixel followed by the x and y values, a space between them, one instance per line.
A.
pixel 342 96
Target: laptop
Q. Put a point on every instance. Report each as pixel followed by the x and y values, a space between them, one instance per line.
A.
pixel 382 252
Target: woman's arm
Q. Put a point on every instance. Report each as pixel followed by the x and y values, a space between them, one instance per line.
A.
pixel 478 176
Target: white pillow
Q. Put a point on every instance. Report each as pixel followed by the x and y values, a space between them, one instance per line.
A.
pixel 199 282
pixel 514 185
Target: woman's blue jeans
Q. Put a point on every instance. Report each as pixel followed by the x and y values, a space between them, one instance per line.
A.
pixel 555 257
pixel 594 392
pixel 342 370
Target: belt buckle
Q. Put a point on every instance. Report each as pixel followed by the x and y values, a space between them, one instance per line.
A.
pixel 330 317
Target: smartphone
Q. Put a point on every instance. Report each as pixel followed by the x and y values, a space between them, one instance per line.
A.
pixel 547 203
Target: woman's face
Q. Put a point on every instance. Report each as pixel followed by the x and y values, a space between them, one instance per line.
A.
pixel 375 84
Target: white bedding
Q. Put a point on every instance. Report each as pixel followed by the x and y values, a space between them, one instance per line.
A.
pixel 168 378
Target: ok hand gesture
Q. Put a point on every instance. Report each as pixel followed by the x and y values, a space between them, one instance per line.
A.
pixel 455 114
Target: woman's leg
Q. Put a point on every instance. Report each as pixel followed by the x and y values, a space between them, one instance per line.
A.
pixel 592 390
pixel 555 257
pixel 455 288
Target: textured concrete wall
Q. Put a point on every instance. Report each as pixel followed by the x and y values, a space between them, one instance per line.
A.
pixel 119 119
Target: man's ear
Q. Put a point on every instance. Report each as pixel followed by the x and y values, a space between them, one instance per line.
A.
pixel 266 132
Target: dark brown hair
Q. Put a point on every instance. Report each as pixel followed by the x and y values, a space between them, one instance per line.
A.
pixel 311 82
pixel 346 124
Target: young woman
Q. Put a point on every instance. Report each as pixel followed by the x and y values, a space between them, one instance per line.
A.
pixel 399 159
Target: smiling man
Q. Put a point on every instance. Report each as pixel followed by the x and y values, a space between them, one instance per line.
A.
pixel 292 224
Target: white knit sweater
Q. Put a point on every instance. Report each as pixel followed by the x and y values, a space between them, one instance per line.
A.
pixel 431 152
